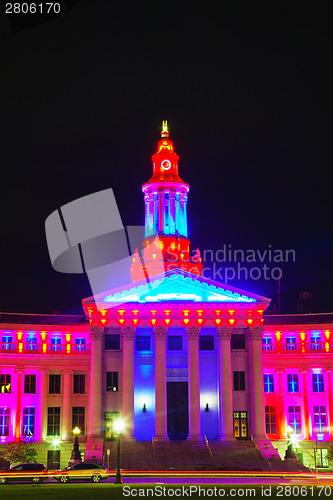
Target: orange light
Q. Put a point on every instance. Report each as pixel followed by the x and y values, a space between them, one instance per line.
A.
pixel 262 320
pixel 161 245
pixel 154 255
pixel 260 311
pixel 167 313
pixel 186 321
pixel 103 312
pixel 20 347
pixel 278 336
pixel 217 321
pixel 327 334
pixel 90 311
pixel 135 321
pixel 327 346
pixel 135 312
pixel 153 321
pixel 68 337
pixel 121 312
pixel 181 255
pixel 103 321
pixel 186 313
pixel 231 321
pixel 121 321
pixel 249 313
pixel 153 313
pixel 44 348
pixel 231 312
pixel 19 335
pixel 199 313
pixel 250 321
pixel 302 334
pixel 167 321
pixel 43 335
pixel 68 348
pixel 173 245
pixel 217 313
pixel 200 321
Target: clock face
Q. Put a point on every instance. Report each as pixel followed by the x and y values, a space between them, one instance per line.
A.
pixel 166 164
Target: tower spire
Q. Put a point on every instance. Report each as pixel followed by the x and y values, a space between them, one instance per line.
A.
pixel 165 196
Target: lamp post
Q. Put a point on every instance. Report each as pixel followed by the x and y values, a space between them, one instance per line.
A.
pixel 118 427
pixel 289 450
pixel 76 455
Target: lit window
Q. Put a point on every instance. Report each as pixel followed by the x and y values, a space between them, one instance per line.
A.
pixel 54 384
pixel 291 344
pixel 55 343
pixel 267 340
pixel 112 381
pixel 30 384
pixel 5 383
pixel 80 344
pixel 7 341
pixel 270 419
pixel 294 418
pixel 28 421
pixel 315 338
pixel 32 343
pixel 318 382
pixel 293 385
pixel 79 384
pixel 268 383
pixel 142 343
pixel 78 417
pixel 4 421
pixel 319 414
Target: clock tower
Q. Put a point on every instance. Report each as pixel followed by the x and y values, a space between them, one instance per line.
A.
pixel 165 196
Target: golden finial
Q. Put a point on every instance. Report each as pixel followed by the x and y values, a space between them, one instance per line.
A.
pixel 165 131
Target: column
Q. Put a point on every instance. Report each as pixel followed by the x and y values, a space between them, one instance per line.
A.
pixel 226 406
pixel 66 425
pixel 281 410
pixel 256 383
pixel 95 420
pixel 160 335
pixel 193 382
pixel 160 210
pixel 329 370
pixel 128 336
pixel 42 407
pixel 305 403
pixel 18 414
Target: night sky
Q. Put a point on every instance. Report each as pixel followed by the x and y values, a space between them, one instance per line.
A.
pixel 246 88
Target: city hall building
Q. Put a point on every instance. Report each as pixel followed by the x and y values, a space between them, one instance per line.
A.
pixel 177 355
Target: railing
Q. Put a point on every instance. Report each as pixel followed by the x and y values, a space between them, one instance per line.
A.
pixel 23 347
pixel 300 347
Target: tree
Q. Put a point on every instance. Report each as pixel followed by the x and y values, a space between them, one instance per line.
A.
pixel 19 451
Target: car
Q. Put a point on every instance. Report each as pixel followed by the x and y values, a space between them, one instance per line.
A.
pixel 83 471
pixel 24 472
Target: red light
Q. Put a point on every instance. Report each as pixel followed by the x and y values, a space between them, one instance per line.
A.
pixel 200 321
pixel 217 313
pixel 200 313
pixel 250 321
pixel 135 321
pixel 167 313
pixel 104 321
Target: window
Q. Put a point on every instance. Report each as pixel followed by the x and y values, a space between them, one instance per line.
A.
pixel 206 342
pixel 267 340
pixel 30 384
pixel 80 344
pixel 79 385
pixel 7 342
pixel 32 343
pixel 175 343
pixel 270 418
pixel 294 418
pixel 54 384
pixel 142 343
pixel 4 421
pixel 239 381
pixel 55 344
pixel 268 383
pixel 291 344
pixel 5 383
pixel 112 341
pixel 112 381
pixel 78 413
pixel 315 338
pixel 238 341
pixel 53 421
pixel 28 421
pixel 318 382
pixel 293 385
pixel 319 414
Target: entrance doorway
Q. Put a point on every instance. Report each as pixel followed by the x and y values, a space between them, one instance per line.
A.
pixel 240 424
pixel 177 403
pixel 53 459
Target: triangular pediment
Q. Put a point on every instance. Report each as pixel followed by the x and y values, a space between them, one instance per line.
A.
pixel 176 285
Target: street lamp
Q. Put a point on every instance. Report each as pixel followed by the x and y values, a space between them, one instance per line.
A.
pixel 118 426
pixel 76 455
pixel 289 450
